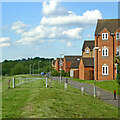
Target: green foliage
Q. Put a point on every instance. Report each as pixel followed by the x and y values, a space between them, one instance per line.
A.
pixel 55 73
pixel 118 70
pixel 68 74
pixel 63 73
pixel 18 69
pixel 10 67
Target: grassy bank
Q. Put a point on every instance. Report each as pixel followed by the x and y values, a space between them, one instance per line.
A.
pixel 106 85
pixel 34 100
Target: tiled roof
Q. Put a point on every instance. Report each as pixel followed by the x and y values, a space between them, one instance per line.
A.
pixel 110 24
pixel 72 58
pixel 75 65
pixel 88 43
pixel 88 62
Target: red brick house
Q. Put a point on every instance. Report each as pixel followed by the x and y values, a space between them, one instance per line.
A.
pixel 68 61
pixel 57 64
pixel 74 69
pixel 107 38
pixel 88 49
pixel 53 63
pixel 86 69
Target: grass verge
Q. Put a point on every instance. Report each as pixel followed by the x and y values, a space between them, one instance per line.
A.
pixel 34 100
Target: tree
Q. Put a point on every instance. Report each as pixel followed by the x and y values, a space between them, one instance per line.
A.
pixel 117 60
pixel 18 69
pixel 55 73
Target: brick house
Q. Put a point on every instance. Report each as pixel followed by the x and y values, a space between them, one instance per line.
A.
pixel 86 69
pixel 107 38
pixel 53 63
pixel 74 69
pixel 57 64
pixel 87 49
pixel 68 61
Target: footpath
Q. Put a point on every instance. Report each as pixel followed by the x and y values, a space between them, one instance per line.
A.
pixel 89 89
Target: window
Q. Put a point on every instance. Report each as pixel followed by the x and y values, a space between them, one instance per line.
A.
pixel 87 50
pixel 104 36
pixel 117 35
pixel 105 52
pixel 105 70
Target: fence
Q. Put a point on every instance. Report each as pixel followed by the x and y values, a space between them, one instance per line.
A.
pixel 20 81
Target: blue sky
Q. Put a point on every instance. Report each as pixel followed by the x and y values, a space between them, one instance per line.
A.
pixel 46 29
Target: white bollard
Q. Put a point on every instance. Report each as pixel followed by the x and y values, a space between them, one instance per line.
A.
pixel 65 86
pixel 46 82
pixel 13 82
pixel 49 82
pixel 98 94
pixel 82 90
pixel 20 81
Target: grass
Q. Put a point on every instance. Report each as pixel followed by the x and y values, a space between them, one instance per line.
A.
pixel 34 100
pixel 106 85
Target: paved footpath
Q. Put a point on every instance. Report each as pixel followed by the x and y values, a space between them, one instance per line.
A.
pixel 89 89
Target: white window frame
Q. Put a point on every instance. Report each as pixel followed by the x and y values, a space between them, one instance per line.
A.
pixel 104 50
pixel 105 72
pixel 119 36
pixel 104 37
pixel 118 50
pixel 87 51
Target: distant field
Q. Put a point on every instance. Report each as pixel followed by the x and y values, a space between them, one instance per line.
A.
pixel 106 85
pixel 34 100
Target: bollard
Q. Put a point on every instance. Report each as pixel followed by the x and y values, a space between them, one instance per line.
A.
pixel 46 82
pixel 65 86
pixel 114 94
pixel 82 90
pixel 8 84
pixel 49 82
pixel 13 82
pixel 98 94
pixel 67 80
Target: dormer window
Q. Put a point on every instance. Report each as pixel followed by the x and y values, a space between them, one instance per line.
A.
pixel 104 36
pixel 87 50
pixel 117 35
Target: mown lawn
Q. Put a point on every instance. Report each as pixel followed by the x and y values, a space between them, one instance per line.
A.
pixel 106 85
pixel 34 100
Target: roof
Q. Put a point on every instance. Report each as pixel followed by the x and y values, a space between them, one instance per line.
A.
pixel 88 62
pixel 75 65
pixel 89 43
pixel 72 58
pixel 110 24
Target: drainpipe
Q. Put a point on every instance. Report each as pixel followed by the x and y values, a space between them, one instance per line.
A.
pixel 112 34
pixel 97 54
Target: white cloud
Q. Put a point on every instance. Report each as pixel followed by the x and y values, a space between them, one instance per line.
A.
pixel 19 27
pixel 4 44
pixel 53 8
pixel 69 44
pixel 4 39
pixel 57 24
pixel 73 33
pixel 88 18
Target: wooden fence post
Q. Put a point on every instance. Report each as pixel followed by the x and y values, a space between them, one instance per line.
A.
pixel 13 82
pixel 8 84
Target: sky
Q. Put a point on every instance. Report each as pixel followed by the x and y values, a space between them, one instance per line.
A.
pixel 46 29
